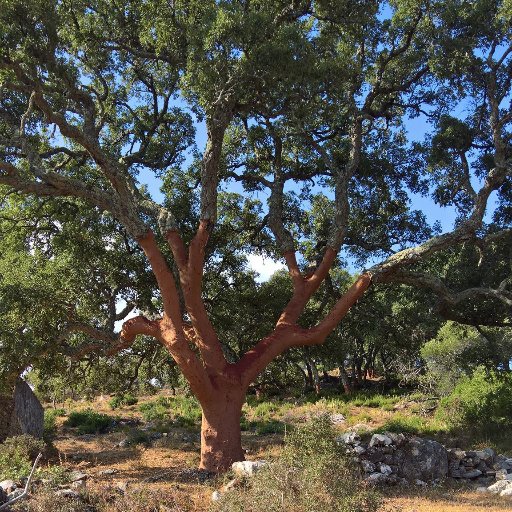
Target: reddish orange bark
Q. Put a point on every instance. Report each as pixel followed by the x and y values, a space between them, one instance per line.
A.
pixel 220 386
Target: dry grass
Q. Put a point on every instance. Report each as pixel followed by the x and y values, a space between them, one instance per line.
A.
pixel 168 466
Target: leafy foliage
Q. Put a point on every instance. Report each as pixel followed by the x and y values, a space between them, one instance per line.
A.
pixel 479 402
pixel 312 474
pixel 89 421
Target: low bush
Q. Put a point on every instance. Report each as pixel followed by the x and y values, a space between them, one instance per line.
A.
pixel 103 501
pixel 479 402
pixel 413 425
pixel 89 421
pixel 122 400
pixel 17 455
pixel 183 410
pixel 312 474
pixel 50 422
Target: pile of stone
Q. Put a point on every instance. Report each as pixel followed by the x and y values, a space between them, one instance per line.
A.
pixel 391 458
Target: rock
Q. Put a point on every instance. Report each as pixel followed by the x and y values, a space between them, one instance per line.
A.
pixel 68 493
pixel 122 486
pixel 422 459
pixel 368 467
pixel 380 440
pixel 108 472
pixel 456 454
pixel 385 469
pixel 28 414
pixel 76 476
pixel 359 450
pixel 482 489
pixel 506 492
pixel 337 419
pixel 8 486
pixel 376 478
pixel 374 455
pixel 79 484
pixel 420 483
pixel 502 474
pixel 499 486
pixel 397 439
pixel 486 455
pixel 247 467
pixel 216 495
pixel 349 438
pixel 124 443
pixel 3 496
pixel 16 493
pixel 230 485
pixel 475 473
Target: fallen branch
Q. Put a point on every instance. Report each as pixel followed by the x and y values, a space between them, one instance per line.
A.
pixel 27 485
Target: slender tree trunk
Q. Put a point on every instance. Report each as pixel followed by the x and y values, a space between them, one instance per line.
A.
pixel 316 378
pixel 221 441
pixel 345 380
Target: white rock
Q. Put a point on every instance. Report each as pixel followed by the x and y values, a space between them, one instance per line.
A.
pixel 337 418
pixel 502 474
pixel 349 438
pixel 506 492
pixel 216 495
pixel 380 440
pixel 77 476
pixel 247 467
pixel 68 493
pixel 499 486
pixel 482 489
pixel 385 469
pixel 8 486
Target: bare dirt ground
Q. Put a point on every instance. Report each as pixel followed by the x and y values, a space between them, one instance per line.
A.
pixel 169 465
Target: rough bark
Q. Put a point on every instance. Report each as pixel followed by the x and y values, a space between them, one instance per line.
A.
pixel 21 413
pixel 221 442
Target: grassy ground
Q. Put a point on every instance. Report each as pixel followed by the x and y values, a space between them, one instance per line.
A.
pixel 167 465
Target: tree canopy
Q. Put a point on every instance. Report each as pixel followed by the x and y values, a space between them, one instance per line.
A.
pixel 308 157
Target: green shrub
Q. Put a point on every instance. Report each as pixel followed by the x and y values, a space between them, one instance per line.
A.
pixel 17 454
pixel 312 474
pixel 183 410
pixel 50 422
pixel 270 427
pixel 89 421
pixel 122 400
pixel 480 402
pixel 413 425
pixel 157 410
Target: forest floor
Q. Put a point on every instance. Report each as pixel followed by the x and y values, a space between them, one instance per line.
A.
pixel 167 465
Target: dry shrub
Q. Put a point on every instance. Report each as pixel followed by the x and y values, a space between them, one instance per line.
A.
pixel 312 474
pixel 108 500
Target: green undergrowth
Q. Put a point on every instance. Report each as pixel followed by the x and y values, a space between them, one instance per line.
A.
pixel 122 400
pixel 180 410
pixel 313 473
pixel 89 422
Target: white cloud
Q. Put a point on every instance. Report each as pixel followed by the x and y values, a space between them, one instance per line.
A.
pixel 265 267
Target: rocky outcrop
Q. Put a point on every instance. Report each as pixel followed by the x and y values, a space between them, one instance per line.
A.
pixel 21 414
pixel 391 458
